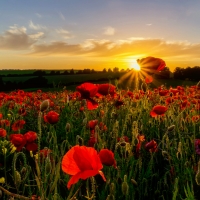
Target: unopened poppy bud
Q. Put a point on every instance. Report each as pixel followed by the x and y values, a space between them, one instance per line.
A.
pixel 112 188
pixel 110 197
pixel 125 188
pixel 2 180
pixel 31 154
pixel 144 87
pixel 134 182
pixel 48 165
pixel 85 121
pixel 17 178
pixel 4 150
pixel 170 128
pixel 44 105
pixel 79 140
pixel 67 127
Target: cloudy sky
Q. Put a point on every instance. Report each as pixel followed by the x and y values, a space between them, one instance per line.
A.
pixel 97 34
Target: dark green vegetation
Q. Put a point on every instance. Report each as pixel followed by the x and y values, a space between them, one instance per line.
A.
pixel 31 80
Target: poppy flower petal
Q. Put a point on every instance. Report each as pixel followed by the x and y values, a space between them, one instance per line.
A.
pixel 31 146
pixel 82 175
pixel 69 165
pixel 91 104
pixel 153 114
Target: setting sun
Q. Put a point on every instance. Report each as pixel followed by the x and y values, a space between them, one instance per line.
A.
pixel 135 66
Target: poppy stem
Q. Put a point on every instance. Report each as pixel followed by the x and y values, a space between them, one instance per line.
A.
pixel 70 194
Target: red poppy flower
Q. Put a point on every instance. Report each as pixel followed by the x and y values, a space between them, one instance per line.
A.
pixel 51 117
pixel 92 123
pixel 30 136
pixel 45 152
pixel 4 122
pixel 81 162
pixel 18 140
pixel 158 110
pixel 107 157
pixel 151 146
pixel 2 132
pixel 17 125
pixel 123 138
pixel 1 115
pixel 87 91
pixel 163 92
pixel 106 88
pixel 31 146
pixel 149 79
pixel 151 64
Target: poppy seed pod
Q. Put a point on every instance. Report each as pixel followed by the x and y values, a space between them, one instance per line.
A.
pixel 44 105
pixel 170 128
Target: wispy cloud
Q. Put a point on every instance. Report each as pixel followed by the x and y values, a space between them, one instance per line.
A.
pixel 109 30
pixel 35 26
pixel 129 47
pixel 64 33
pixel 149 24
pixel 62 16
pixel 38 15
pixel 16 38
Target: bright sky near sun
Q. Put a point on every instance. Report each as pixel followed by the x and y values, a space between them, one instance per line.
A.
pixel 97 34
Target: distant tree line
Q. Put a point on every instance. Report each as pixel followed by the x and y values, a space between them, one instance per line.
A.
pixel 38 78
pixel 189 73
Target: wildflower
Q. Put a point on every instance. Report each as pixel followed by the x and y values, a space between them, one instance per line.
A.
pixel 151 64
pixel 81 162
pixel 106 88
pixel 18 140
pixel 107 157
pixel 88 91
pixel 2 132
pixel 151 146
pixel 158 110
pixel 92 123
pixel 149 79
pixel 51 117
pixel 30 139
pixel 17 125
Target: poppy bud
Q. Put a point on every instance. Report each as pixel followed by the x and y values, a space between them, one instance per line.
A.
pixel 2 180
pixel 170 128
pixel 110 197
pixel 44 105
pixel 79 140
pixel 67 127
pixel 125 186
pixel 17 178
pixel 134 182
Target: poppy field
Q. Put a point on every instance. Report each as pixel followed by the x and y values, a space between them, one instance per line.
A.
pixel 101 142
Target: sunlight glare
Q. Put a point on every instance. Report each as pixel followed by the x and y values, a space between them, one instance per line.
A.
pixel 135 66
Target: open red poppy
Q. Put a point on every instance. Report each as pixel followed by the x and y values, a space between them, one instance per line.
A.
pixel 158 110
pixel 81 162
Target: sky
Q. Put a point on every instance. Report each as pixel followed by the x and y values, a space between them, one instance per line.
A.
pixel 98 34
